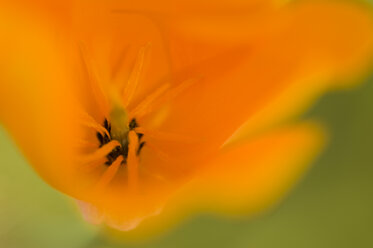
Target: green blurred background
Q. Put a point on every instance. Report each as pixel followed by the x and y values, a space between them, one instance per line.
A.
pixel 331 207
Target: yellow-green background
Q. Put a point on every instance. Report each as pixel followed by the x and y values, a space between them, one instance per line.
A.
pixel 331 207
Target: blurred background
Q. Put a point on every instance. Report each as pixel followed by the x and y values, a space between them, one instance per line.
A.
pixel 331 207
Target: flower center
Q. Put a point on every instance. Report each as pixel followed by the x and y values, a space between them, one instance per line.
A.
pixel 118 128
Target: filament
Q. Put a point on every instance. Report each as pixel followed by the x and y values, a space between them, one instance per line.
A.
pixel 108 175
pixel 146 104
pixel 90 122
pixel 92 165
pixel 160 96
pixel 100 153
pixel 96 127
pixel 134 78
pixel 132 161
pixel 98 93
pixel 119 63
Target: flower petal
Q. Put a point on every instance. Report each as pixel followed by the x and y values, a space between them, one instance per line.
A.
pixel 35 97
pixel 246 178
pixel 285 106
pixel 249 176
pixel 293 54
pixel 350 56
pixel 187 6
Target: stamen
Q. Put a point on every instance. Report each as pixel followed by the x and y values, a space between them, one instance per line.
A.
pixel 131 86
pixel 108 175
pixel 98 128
pixel 133 124
pixel 114 154
pixel 156 99
pixel 88 121
pixel 86 168
pixel 140 135
pixel 142 144
pixel 140 130
pixel 120 61
pixel 181 87
pixel 107 125
pixel 100 153
pixel 132 160
pixel 103 139
pixel 143 106
pixel 98 94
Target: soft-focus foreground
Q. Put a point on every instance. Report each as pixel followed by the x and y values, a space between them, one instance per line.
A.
pixel 145 114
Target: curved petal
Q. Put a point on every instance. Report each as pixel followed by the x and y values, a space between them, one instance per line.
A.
pixel 284 107
pixel 350 55
pixel 36 98
pixel 246 178
pixel 293 54
pixel 252 175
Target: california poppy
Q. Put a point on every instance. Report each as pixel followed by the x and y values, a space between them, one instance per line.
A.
pixel 144 110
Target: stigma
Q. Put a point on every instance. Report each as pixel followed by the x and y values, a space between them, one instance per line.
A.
pixel 118 127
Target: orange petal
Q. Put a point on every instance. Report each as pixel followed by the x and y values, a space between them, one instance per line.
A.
pixel 344 59
pixel 245 178
pixel 285 106
pixel 249 176
pixel 185 6
pixel 290 57
pixel 35 94
pixel 39 104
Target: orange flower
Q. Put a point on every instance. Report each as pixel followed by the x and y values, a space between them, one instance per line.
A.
pixel 144 111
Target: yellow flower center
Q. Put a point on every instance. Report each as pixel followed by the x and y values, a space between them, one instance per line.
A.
pixel 118 128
